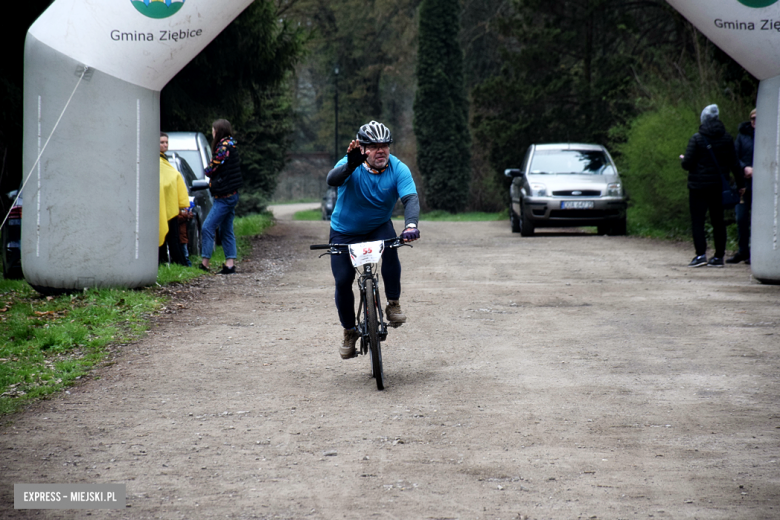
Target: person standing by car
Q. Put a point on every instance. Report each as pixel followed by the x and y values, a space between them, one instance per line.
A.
pixel 173 200
pixel 709 156
pixel 224 173
pixel 370 181
pixel 744 150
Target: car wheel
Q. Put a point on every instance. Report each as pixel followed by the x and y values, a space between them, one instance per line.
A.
pixel 13 273
pixel 514 220
pixel 12 267
pixel 526 224
pixel 618 227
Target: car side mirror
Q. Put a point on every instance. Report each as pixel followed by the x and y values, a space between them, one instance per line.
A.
pixel 199 185
pixel 513 172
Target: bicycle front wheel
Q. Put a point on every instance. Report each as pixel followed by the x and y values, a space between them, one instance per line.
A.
pixel 373 336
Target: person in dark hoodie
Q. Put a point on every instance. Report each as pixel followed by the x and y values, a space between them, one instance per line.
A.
pixel 744 149
pixel 709 156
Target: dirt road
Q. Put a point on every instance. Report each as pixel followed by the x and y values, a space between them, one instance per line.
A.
pixel 561 376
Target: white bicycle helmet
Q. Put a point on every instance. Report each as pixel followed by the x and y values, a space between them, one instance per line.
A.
pixel 374 133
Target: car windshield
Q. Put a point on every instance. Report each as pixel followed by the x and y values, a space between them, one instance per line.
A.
pixel 589 162
pixel 193 159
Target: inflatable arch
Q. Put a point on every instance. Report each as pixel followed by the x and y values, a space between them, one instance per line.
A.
pixel 749 31
pixel 93 75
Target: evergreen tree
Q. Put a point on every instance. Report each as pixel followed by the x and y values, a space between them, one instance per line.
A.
pixel 441 108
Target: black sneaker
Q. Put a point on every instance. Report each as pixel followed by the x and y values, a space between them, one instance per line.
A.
pixel 698 261
pixel 228 270
pixel 203 268
pixel 738 258
pixel 715 261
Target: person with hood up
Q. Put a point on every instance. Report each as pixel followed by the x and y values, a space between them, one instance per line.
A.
pixel 744 149
pixel 709 156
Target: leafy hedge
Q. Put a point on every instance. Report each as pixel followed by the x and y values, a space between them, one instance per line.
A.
pixel 649 162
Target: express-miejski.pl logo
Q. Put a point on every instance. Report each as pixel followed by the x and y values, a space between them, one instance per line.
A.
pixel 161 8
pixel 757 3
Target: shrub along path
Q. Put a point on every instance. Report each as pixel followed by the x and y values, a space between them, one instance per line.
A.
pixel 565 375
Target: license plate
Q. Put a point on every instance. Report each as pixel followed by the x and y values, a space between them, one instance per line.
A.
pixel 577 204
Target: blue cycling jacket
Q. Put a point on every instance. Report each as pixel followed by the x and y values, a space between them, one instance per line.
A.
pixel 366 200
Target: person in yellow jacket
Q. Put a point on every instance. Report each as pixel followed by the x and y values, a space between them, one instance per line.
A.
pixel 173 199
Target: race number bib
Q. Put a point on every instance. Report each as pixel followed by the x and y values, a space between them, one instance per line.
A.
pixel 366 252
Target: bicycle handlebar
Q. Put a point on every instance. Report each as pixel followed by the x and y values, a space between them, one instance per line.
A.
pixel 400 242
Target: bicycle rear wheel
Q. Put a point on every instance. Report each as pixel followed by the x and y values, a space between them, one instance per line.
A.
pixel 373 336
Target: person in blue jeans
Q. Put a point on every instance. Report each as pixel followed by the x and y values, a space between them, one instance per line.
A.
pixel 225 180
pixel 370 181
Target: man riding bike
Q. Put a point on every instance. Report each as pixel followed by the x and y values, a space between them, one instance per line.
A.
pixel 370 181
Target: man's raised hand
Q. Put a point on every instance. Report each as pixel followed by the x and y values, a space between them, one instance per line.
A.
pixel 355 155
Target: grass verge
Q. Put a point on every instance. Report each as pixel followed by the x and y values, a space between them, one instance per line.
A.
pixel 308 214
pixel 49 342
pixel 471 216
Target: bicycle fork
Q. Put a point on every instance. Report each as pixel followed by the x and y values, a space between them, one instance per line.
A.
pixel 368 273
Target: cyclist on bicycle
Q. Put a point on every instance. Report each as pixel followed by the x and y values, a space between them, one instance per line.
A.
pixel 370 181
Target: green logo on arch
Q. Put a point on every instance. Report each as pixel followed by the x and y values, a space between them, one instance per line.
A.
pixel 161 8
pixel 757 3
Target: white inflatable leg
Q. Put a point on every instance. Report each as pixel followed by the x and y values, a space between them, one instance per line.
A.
pixel 91 203
pixel 765 223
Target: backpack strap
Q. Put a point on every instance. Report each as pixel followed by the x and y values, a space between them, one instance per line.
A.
pixel 712 154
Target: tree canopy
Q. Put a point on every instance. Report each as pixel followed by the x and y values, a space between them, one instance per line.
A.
pixel 568 71
pixel 600 71
pixel 372 46
pixel 242 77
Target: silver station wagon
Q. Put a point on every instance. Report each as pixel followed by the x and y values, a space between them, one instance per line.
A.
pixel 567 185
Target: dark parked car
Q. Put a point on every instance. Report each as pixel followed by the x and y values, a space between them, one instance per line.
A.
pixel 11 240
pixel 200 200
pixel 567 185
pixel 329 202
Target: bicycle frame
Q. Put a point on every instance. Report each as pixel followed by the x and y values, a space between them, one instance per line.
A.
pixel 366 272
pixel 365 260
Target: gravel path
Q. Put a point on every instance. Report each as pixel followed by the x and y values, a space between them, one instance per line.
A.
pixel 561 376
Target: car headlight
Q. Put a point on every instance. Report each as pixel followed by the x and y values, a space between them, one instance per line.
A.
pixel 538 190
pixel 614 190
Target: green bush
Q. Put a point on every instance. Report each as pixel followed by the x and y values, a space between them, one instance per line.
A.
pixel 650 167
pixel 649 162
